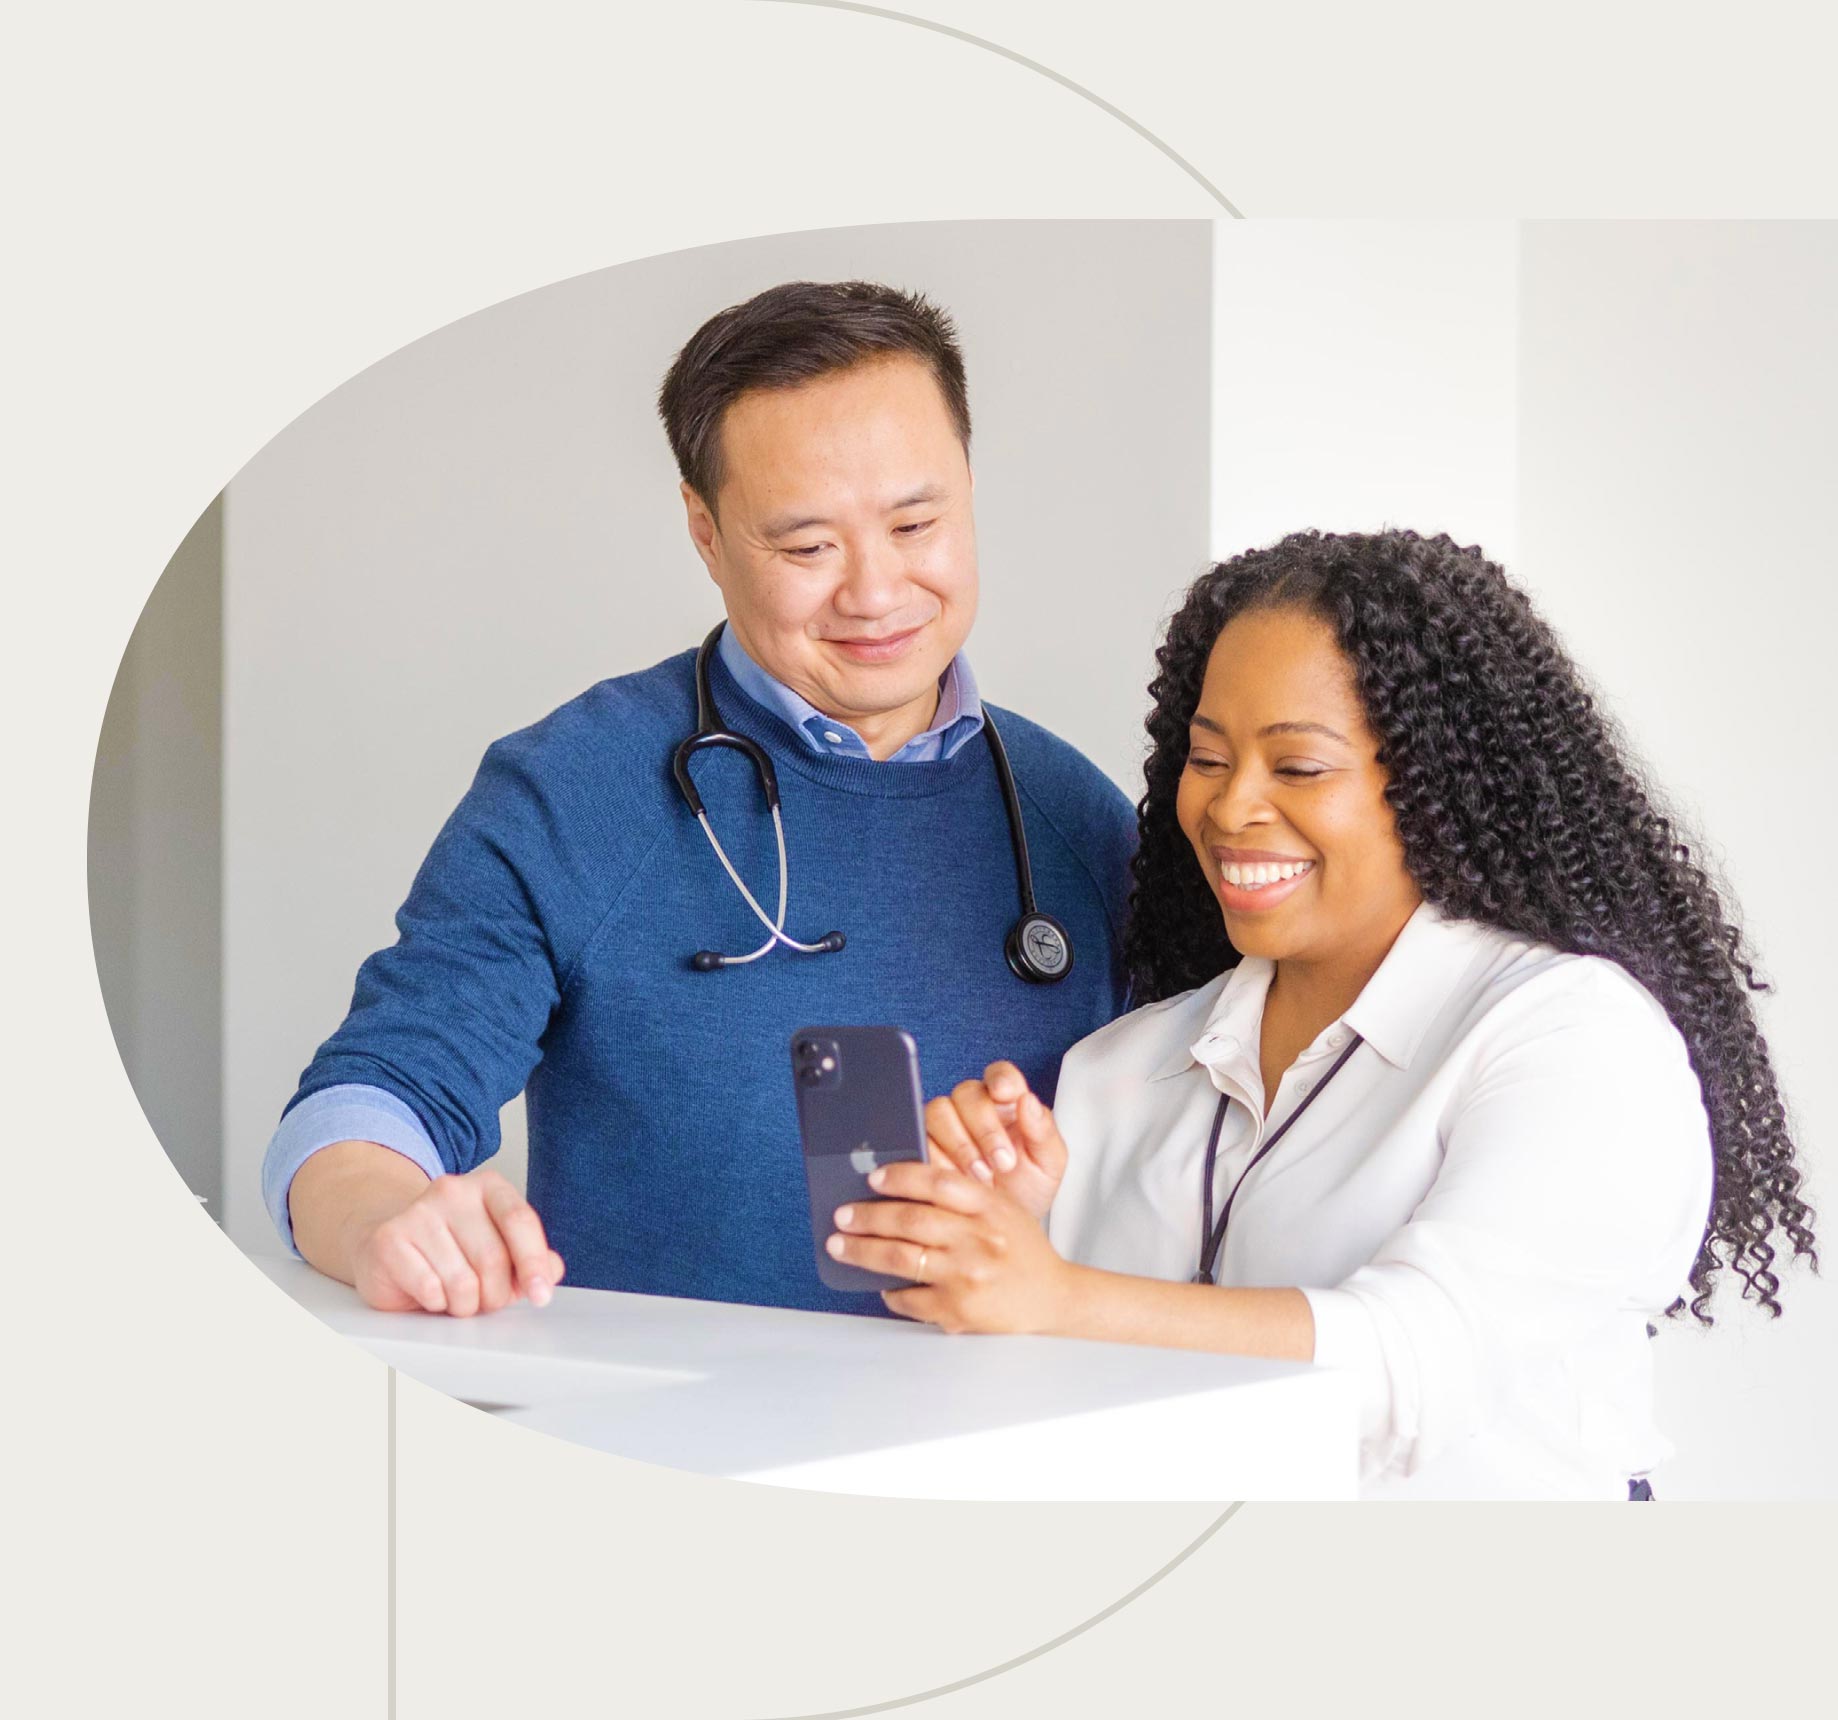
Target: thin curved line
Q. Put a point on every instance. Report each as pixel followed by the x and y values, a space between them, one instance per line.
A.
pixel 392 1543
pixel 1232 1510
pixel 1066 1636
pixel 1116 113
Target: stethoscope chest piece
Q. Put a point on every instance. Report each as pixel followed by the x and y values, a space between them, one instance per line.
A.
pixel 1038 949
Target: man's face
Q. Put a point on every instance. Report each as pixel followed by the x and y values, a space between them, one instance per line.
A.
pixel 844 544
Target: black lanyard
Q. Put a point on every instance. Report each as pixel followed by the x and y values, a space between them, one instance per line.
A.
pixel 1212 1240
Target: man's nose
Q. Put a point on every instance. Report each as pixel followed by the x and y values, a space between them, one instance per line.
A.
pixel 873 582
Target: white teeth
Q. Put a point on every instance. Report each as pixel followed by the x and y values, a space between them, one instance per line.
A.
pixel 1258 876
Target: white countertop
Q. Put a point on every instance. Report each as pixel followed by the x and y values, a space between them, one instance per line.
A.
pixel 848 1404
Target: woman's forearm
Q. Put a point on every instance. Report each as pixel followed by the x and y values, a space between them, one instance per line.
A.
pixel 1241 1322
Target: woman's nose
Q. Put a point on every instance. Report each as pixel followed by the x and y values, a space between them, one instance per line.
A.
pixel 1242 800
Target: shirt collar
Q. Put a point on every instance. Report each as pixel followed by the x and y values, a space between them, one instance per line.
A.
pixel 1231 1026
pixel 1420 972
pixel 958 718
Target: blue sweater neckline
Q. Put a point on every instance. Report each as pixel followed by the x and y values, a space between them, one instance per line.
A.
pixel 880 780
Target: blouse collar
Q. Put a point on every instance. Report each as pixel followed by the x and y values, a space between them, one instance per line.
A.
pixel 1419 974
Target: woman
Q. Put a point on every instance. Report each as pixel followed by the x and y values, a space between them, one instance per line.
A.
pixel 1448 1072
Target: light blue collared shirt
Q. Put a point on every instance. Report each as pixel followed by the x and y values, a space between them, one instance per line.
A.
pixel 355 1112
pixel 959 717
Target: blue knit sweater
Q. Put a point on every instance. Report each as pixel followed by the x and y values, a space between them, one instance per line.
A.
pixel 544 947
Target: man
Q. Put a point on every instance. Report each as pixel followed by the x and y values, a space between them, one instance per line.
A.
pixel 549 942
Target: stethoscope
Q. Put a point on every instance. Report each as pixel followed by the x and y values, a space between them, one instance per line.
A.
pixel 1038 947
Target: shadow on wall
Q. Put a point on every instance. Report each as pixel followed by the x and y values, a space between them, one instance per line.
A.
pixel 155 859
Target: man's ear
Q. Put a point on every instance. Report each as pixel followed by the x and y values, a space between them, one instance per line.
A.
pixel 702 527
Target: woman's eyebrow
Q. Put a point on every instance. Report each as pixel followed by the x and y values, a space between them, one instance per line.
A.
pixel 1304 729
pixel 1200 722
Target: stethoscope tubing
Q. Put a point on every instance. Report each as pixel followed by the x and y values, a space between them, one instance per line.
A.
pixel 1037 949
pixel 775 931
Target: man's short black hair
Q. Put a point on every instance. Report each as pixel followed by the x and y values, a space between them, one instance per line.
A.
pixel 791 334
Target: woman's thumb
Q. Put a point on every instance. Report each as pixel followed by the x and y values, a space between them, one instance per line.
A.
pixel 1038 1128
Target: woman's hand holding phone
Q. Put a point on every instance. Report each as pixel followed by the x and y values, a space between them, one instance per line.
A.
pixel 997 1131
pixel 978 1261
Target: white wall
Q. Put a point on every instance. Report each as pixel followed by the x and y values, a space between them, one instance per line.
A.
pixel 1678 438
pixel 486 522
pixel 1638 420
pixel 1364 375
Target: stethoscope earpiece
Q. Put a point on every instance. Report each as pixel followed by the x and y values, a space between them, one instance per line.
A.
pixel 1038 948
pixel 708 961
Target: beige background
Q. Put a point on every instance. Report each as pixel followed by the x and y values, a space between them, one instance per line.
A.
pixel 206 1511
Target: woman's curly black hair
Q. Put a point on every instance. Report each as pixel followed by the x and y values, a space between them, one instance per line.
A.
pixel 1516 804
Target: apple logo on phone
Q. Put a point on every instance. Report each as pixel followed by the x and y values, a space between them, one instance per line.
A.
pixel 862 1160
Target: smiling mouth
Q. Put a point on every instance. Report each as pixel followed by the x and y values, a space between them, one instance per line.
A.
pixel 1262 874
pixel 873 650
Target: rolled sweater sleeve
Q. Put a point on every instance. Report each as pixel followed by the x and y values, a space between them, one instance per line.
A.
pixel 448 1020
pixel 333 1114
pixel 1575 1187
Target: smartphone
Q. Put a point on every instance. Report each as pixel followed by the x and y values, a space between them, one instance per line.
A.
pixel 858 1107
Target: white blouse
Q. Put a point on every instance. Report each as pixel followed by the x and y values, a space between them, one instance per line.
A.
pixel 1486 1206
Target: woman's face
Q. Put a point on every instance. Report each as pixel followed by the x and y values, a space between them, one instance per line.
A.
pixel 1283 799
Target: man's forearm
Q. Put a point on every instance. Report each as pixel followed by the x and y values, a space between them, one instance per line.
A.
pixel 343 1191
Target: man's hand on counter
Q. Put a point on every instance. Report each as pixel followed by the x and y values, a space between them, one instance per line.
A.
pixel 458 1245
